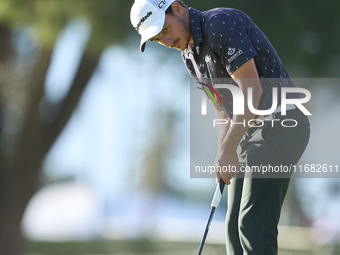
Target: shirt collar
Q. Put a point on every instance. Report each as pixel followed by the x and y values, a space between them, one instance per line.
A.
pixel 195 25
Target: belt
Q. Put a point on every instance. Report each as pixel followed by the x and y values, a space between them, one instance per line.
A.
pixel 272 115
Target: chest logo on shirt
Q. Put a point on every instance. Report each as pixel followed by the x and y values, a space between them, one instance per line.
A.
pixel 207 58
pixel 231 51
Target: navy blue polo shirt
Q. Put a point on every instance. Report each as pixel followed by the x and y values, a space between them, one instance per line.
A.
pixel 225 39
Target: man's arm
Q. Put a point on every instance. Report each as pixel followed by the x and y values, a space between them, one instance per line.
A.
pixel 245 76
pixel 222 129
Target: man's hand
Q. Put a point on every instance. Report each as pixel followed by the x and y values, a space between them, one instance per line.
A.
pixel 228 165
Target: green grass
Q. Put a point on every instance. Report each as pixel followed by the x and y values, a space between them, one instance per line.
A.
pixel 117 247
pixel 145 247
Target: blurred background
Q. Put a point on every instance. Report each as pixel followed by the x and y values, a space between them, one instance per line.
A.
pixel 94 135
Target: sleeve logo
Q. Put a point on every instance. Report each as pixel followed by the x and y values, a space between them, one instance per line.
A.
pixel 235 56
pixel 231 51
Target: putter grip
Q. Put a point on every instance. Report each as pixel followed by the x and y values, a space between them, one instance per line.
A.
pixel 218 194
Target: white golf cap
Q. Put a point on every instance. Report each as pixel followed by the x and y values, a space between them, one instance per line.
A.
pixel 147 17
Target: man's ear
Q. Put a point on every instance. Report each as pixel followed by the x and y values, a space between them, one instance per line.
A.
pixel 177 8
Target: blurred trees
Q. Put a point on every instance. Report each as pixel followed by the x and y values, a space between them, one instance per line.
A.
pixel 26 141
pixel 305 34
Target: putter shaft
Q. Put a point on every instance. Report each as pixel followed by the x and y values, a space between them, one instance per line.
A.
pixel 214 204
pixel 212 211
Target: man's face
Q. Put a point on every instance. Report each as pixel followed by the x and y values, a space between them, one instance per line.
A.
pixel 175 33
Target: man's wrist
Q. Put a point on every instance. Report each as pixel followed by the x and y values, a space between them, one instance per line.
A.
pixel 228 150
pixel 224 152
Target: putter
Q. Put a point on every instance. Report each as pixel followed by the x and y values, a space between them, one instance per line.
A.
pixel 214 204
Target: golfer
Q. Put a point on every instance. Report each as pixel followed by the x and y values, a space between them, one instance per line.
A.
pixel 224 43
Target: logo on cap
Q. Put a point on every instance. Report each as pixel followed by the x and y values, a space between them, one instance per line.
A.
pixel 142 20
pixel 161 4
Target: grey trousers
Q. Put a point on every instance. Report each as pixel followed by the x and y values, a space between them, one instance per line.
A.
pixel 255 199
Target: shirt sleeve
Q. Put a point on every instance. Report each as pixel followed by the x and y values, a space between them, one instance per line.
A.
pixel 229 38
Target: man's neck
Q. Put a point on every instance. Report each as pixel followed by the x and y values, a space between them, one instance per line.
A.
pixel 191 42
